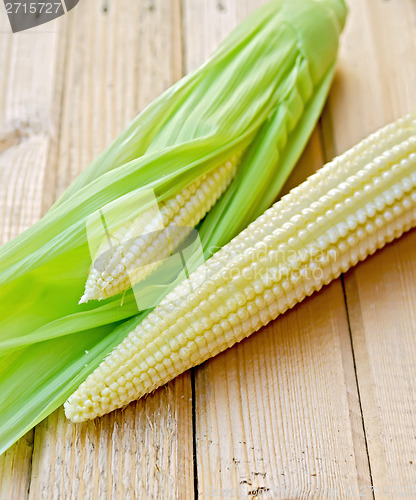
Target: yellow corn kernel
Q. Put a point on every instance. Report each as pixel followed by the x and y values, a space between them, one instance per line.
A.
pixel 340 215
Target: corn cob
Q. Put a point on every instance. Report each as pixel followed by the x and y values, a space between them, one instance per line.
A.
pixel 142 247
pixel 340 215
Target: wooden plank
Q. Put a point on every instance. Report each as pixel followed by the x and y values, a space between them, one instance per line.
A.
pixel 30 95
pixel 15 469
pixel 377 84
pixel 116 64
pixel 279 413
pixel 29 122
pixel 142 452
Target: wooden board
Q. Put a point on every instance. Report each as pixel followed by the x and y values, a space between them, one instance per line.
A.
pixel 381 293
pixel 322 401
pixel 30 94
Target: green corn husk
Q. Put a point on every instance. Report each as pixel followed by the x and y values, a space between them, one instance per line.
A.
pixel 261 92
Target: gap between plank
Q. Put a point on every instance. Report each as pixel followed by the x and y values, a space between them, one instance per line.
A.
pixel 194 450
pixel 356 380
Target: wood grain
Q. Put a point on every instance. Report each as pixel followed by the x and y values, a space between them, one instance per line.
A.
pixel 140 452
pixel 272 414
pixel 15 467
pixel 30 95
pixel 381 294
pixel 29 123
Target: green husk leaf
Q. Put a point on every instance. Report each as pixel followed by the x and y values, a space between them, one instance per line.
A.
pixel 244 98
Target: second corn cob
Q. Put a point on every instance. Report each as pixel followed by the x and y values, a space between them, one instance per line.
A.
pixel 142 247
pixel 345 212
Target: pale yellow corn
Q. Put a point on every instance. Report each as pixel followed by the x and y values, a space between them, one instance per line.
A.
pixel 142 246
pixel 340 215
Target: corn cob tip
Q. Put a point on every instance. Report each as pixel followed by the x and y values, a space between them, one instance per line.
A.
pixel 92 292
pixel 74 410
pixel 84 299
pixel 143 246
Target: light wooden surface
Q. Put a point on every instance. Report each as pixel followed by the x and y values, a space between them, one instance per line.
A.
pixel 322 402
